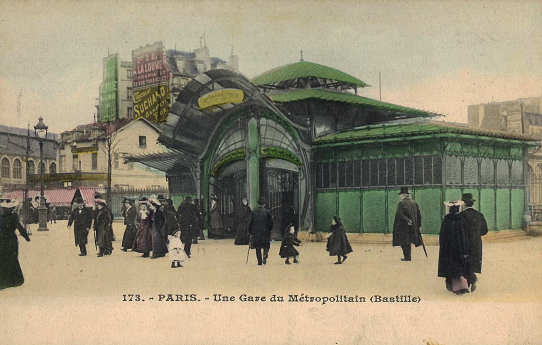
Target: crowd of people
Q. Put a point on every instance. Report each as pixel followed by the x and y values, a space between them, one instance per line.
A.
pixel 159 228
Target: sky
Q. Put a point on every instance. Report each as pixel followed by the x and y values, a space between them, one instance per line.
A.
pixel 439 56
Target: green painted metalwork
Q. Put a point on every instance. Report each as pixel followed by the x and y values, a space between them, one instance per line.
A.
pixel 518 207
pixel 453 194
pixel 253 174
pixel 503 209
pixel 326 204
pixel 349 204
pixel 272 116
pixel 393 200
pixel 374 202
pixel 348 98
pixel 429 200
pixel 280 153
pixel 487 207
pixel 304 69
pixel 228 158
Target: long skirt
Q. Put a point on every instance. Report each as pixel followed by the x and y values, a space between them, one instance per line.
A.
pixel 143 241
pixel 11 274
pixel 129 237
pixel 159 244
pixel 104 240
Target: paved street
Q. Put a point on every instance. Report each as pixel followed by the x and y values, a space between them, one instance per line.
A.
pixel 63 290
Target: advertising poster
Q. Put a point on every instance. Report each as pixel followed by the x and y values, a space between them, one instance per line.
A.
pixel 109 98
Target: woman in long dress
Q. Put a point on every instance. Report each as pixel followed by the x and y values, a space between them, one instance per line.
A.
pixel 338 244
pixel 11 274
pixel 241 223
pixel 143 241
pixel 454 259
pixel 217 226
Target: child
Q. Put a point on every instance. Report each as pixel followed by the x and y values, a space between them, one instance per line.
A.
pixel 176 250
pixel 338 244
pixel 287 249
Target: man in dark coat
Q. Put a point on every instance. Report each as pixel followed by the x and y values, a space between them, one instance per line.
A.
pixel 406 227
pixel 172 224
pixel 241 222
pixel 260 225
pixel 99 196
pixel 476 228
pixel 82 220
pixel 130 215
pixel 187 214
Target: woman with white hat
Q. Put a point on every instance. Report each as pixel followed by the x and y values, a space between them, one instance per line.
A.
pixel 11 274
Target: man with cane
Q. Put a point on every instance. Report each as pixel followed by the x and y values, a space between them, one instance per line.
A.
pixel 260 225
pixel 406 227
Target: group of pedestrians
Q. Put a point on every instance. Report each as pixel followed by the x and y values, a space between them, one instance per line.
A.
pixel 460 239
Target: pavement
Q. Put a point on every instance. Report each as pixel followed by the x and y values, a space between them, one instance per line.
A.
pixel 67 299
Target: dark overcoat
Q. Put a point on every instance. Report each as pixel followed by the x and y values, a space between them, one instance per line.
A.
pixel 404 234
pixel 260 225
pixel 82 221
pixel 172 225
pixel 476 228
pixel 143 241
pixel 454 260
pixel 11 274
pixel 159 232
pixel 187 214
pixel 337 243
pixel 102 225
pixel 128 239
pixel 241 223
pixel 287 246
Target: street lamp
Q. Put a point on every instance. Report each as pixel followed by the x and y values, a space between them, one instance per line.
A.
pixel 40 131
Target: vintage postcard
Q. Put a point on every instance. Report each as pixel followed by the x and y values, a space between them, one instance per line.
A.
pixel 270 172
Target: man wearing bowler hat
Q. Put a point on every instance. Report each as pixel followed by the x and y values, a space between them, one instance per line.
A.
pixel 406 227
pixel 260 225
pixel 476 228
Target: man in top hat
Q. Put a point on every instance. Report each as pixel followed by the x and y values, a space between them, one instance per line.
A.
pixel 130 215
pixel 406 227
pixel 82 220
pixel 476 228
pixel 260 225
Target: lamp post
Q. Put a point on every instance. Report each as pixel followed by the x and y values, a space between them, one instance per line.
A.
pixel 40 131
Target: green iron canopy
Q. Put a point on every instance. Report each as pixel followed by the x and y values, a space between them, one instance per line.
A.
pixel 305 72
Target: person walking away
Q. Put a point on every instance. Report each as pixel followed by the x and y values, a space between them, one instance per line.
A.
pixel 476 228
pixel 260 225
pixel 81 219
pixel 11 274
pixel 187 215
pixel 102 226
pixel 143 240
pixel 241 222
pixel 130 215
pixel 159 232
pixel 338 244
pixel 287 249
pixel 172 225
pixel 406 227
pixel 201 218
pixel 176 250
pixel 454 260
pixel 53 215
pixel 217 226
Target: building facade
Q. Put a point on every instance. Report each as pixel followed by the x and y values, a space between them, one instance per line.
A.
pixel 13 163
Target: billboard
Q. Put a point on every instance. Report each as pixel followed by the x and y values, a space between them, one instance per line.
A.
pixel 151 77
pixel 152 103
pixel 109 93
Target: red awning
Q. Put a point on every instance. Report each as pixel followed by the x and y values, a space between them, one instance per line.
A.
pixel 88 195
pixel 56 197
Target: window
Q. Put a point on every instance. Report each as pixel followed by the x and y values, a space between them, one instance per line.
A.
pixel 130 112
pixel 17 169
pixel 61 163
pixel 94 160
pixel 31 167
pixel 42 168
pixel 52 168
pixel 130 165
pixel 142 141
pixel 75 163
pixel 129 93
pixel 116 160
pixel 5 168
pixel 129 73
